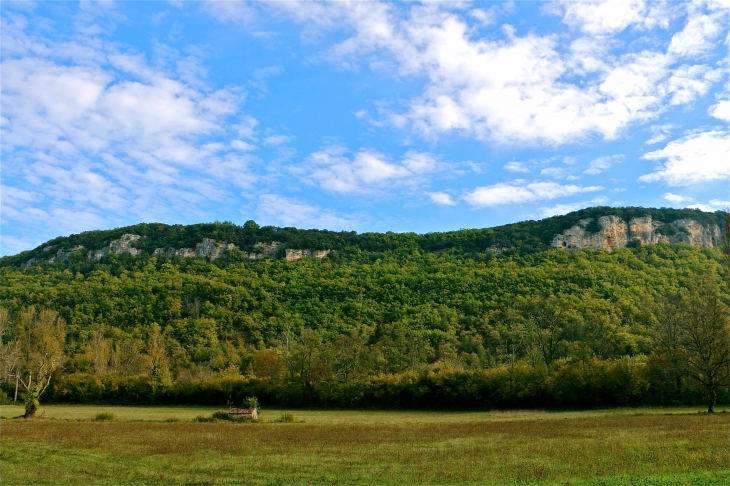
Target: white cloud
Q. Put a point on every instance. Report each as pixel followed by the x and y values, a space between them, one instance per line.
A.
pixel 600 17
pixel 702 207
pixel 719 203
pixel 524 88
pixel 560 209
pixel 516 167
pixel 276 140
pixel 556 172
pixel 698 35
pixel 243 146
pixel 442 198
pixel 519 192
pixel 291 212
pixel 484 16
pixel 721 110
pixel 100 137
pixel 688 82
pixel 367 170
pixel 603 163
pixel 712 206
pixel 660 133
pixel 676 198
pixel 696 158
pixel 231 11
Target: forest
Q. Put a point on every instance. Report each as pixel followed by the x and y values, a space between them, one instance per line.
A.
pixel 394 321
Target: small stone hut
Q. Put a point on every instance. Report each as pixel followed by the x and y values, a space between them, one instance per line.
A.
pixel 244 413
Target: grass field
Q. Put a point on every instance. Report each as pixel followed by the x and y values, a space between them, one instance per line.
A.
pixel 605 447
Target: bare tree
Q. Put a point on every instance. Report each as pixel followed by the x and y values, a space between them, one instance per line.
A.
pixel 41 336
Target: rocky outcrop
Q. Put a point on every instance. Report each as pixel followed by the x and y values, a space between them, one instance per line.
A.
pixel 293 255
pixel 617 233
pixel 122 245
pixel 62 255
pixel 208 248
pixel 264 250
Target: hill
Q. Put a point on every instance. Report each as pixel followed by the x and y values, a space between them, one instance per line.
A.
pixel 598 228
pixel 370 319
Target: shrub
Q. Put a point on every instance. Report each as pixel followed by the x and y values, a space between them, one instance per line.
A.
pixel 286 417
pixel 103 417
pixel 220 415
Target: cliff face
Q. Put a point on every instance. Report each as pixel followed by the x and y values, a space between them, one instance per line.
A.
pixel 122 245
pixel 617 233
pixel 208 248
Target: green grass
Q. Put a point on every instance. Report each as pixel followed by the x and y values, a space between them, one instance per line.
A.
pixel 144 445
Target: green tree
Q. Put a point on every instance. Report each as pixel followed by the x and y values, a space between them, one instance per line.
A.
pixel 547 320
pixel 706 337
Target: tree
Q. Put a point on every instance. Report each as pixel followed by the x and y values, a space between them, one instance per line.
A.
pixel 266 365
pixel 99 350
pixel 547 319
pixel 9 351
pixel 156 358
pixel 706 337
pixel 41 336
pixel 669 338
pixel 126 358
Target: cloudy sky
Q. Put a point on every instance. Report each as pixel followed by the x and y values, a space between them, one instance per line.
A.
pixel 366 116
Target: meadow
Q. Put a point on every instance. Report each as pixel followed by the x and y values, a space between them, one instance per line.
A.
pixel 163 445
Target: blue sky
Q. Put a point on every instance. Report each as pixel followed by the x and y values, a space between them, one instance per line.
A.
pixel 366 116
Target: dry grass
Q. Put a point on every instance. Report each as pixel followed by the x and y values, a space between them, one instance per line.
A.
pixel 348 417
pixel 498 448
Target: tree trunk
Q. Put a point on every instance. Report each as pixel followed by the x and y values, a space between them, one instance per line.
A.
pixel 713 398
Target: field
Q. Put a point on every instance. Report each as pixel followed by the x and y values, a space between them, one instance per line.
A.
pixel 161 445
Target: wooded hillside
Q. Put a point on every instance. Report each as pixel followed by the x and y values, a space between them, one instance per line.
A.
pixel 374 318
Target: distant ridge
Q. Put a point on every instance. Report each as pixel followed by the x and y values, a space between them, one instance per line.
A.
pixel 591 228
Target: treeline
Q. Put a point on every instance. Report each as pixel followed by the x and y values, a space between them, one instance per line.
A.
pixel 570 384
pixel 378 329
pixel 520 238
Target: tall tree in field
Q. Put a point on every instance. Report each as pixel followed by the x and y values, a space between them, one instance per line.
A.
pixel 41 336
pixel 706 337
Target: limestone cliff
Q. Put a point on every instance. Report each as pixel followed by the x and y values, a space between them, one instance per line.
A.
pixel 122 245
pixel 61 255
pixel 617 233
pixel 264 250
pixel 208 248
